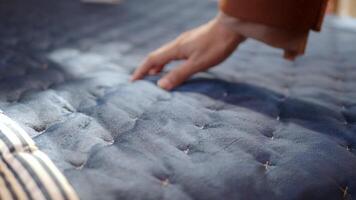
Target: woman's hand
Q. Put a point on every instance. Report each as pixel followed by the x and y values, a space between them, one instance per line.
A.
pixel 201 48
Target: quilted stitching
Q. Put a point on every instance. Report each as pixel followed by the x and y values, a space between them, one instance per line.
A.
pixel 256 127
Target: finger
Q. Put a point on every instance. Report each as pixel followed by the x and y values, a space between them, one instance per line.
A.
pixel 177 75
pixel 156 61
pixel 154 71
pixel 142 70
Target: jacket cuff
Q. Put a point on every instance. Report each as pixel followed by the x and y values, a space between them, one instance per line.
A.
pixel 292 15
pixel 293 43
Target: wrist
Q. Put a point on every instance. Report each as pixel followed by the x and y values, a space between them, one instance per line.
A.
pixel 230 23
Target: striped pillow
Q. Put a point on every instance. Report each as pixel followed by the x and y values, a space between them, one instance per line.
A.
pixel 25 171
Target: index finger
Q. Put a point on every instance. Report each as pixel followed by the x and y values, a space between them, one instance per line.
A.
pixel 156 60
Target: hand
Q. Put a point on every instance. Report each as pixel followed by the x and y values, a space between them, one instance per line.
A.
pixel 201 48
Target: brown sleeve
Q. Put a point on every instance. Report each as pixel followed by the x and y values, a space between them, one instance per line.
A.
pixel 294 15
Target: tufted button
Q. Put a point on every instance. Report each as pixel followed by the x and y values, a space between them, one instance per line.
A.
pixel 110 142
pixel 286 86
pixel 134 118
pixel 270 134
pixel 348 148
pixel 225 94
pixel 343 107
pixel 164 98
pixel 286 91
pixel 40 129
pixel 267 164
pixel 214 109
pixel 185 148
pixel 165 182
pixel 283 98
pixel 78 166
pixel 44 66
pixel 344 192
pixel 202 127
pixel 337 79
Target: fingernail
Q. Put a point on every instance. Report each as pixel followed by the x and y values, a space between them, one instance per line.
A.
pixel 165 84
pixel 132 79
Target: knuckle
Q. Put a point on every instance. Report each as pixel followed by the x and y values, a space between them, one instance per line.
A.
pixel 151 58
pixel 186 33
pixel 183 36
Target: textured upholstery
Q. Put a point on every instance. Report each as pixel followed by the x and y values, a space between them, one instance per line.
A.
pixel 256 127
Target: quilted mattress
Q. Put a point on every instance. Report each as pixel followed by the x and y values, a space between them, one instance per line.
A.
pixel 256 127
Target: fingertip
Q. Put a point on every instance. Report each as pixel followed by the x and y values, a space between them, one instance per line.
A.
pixel 138 74
pixel 166 84
pixel 132 79
pixel 152 72
pixel 135 76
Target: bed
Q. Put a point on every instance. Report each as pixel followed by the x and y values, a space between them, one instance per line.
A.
pixel 256 127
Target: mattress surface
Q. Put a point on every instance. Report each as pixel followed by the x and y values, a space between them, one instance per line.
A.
pixel 256 127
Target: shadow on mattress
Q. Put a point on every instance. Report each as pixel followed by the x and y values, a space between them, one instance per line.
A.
pixel 307 114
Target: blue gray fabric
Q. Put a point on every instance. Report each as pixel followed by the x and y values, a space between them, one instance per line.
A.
pixel 256 127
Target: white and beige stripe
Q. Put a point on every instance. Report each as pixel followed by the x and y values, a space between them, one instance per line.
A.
pixel 26 173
